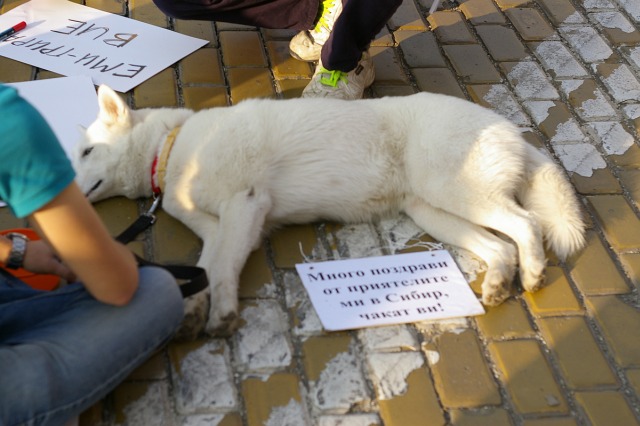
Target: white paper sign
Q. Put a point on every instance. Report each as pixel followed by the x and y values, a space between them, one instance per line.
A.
pixel 357 293
pixel 67 104
pixel 71 39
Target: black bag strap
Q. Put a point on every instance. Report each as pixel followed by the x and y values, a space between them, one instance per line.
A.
pixel 191 279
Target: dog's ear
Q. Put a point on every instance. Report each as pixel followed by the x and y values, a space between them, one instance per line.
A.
pixel 113 110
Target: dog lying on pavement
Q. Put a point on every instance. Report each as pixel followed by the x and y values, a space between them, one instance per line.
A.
pixel 457 169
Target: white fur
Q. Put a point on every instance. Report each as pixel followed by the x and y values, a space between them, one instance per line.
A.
pixel 455 168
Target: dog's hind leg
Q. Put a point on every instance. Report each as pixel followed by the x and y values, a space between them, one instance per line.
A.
pixel 506 216
pixel 240 228
pixel 499 255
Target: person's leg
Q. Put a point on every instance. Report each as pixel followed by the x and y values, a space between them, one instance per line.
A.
pixel 62 351
pixel 277 14
pixel 345 68
pixel 353 31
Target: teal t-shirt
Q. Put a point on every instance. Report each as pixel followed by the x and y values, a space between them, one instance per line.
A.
pixel 33 167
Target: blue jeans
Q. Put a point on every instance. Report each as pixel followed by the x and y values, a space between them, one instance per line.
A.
pixel 62 351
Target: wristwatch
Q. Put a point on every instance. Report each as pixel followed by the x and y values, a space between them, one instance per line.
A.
pixel 18 249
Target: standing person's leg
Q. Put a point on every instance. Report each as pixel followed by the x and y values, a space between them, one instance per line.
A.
pixel 345 68
pixel 277 14
pixel 62 351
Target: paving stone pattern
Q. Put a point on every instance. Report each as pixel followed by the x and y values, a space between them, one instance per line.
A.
pixel 568 73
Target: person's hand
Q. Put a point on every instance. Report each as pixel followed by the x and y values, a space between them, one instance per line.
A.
pixel 40 259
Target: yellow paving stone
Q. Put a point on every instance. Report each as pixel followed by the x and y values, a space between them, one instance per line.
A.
pixel 262 397
pixel 117 213
pixel 290 243
pixel 247 83
pixel 506 321
pixel 620 224
pixel 173 242
pixel 502 42
pixel 242 48
pixel 631 264
pixel 616 319
pixel 382 90
pixel 485 417
pixel 556 297
pixel 407 17
pixel 472 64
pixel 460 372
pixel 158 91
pixel 631 180
pixel 283 64
pixel 109 6
pixel 527 377
pixel 152 369
pixel 602 181
pixel 292 88
pixel 561 11
pixel 93 415
pixel 318 351
pixel 146 11
pixel 529 23
pixel 255 274
pixel 417 404
pixel 606 408
pixel 551 421
pixel 437 80
pixel 231 419
pixel 13 71
pixel 508 4
pixel 202 66
pixel 8 220
pixel 450 27
pixel 581 361
pixel 197 98
pixel 130 394
pixel 480 12
pixel 383 39
pixel 634 379
pixel 7 5
pixel 594 272
pixel 419 49
pixel 387 66
pixel 199 29
pixel 45 74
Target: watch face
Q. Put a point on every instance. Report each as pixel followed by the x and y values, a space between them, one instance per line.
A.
pixel 18 249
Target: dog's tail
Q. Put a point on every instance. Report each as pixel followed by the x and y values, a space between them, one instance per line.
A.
pixel 551 198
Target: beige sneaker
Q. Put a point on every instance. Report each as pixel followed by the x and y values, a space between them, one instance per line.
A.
pixel 341 85
pixel 306 45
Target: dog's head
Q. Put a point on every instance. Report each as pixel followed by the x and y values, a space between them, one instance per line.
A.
pixel 99 156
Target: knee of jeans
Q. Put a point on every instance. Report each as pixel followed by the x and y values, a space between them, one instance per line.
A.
pixel 160 288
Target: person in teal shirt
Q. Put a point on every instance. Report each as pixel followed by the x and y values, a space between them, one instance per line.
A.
pixel 63 350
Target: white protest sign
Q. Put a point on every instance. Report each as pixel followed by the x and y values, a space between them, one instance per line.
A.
pixel 67 104
pixel 71 39
pixel 357 293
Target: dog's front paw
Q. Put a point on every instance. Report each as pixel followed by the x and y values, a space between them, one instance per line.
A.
pixel 196 308
pixel 495 289
pixel 222 324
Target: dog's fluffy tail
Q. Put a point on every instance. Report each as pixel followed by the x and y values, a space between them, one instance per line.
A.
pixel 551 198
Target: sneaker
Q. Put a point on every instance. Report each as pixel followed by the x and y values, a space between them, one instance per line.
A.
pixel 306 45
pixel 341 85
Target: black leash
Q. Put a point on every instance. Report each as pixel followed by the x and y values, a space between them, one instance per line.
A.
pixel 191 279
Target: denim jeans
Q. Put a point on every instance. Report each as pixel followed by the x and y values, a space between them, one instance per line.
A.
pixel 62 351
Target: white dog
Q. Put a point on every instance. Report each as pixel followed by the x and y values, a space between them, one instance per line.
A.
pixel 455 168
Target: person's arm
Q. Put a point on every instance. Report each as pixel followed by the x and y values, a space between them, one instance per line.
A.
pixel 70 225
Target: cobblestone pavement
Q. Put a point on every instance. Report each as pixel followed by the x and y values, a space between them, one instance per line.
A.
pixel 568 73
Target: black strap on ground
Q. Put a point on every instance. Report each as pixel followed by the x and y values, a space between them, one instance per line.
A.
pixel 191 279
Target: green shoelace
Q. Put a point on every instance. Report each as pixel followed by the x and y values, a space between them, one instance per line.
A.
pixel 334 77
